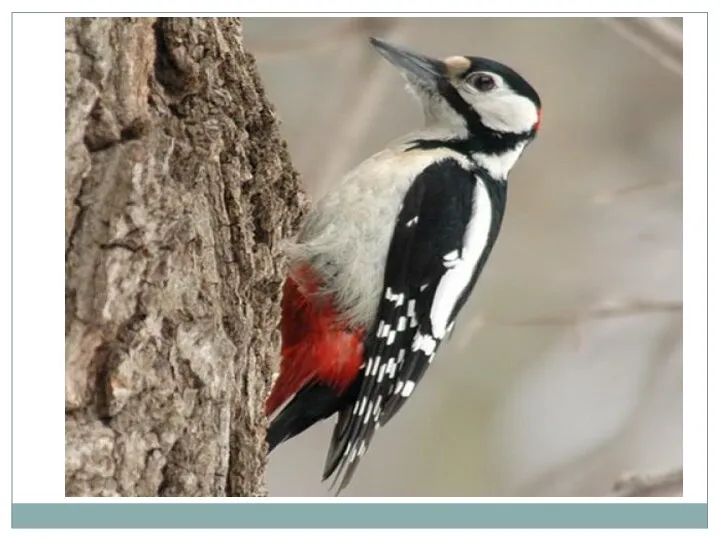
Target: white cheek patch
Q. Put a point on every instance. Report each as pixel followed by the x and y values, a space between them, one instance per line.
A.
pixel 504 110
pixel 511 113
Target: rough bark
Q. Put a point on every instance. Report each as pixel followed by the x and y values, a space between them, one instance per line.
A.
pixel 178 191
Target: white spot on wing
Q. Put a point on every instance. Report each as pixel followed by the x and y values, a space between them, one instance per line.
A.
pixel 381 373
pixel 391 337
pixel 412 222
pixel 451 259
pixel 400 358
pixel 380 328
pixel 455 280
pixel 398 299
pixel 425 343
pixel 367 415
pixel 407 389
pixel 401 324
pixel 376 363
pixel 376 408
pixel 411 308
pixel 391 365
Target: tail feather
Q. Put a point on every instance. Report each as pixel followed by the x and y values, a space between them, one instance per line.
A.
pixel 335 451
pixel 314 402
pixel 283 426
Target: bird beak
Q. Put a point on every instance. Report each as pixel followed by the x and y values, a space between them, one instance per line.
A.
pixel 423 68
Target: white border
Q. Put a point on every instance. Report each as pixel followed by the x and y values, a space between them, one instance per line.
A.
pixel 695 175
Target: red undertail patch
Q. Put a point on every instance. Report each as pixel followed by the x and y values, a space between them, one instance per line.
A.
pixel 316 346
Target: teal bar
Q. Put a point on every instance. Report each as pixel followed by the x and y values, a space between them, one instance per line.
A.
pixel 358 515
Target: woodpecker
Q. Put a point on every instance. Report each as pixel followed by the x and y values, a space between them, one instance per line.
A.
pixel 385 261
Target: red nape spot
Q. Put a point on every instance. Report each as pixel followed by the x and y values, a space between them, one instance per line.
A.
pixel 316 345
pixel 536 127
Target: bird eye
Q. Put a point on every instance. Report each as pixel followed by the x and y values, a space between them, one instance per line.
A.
pixel 481 81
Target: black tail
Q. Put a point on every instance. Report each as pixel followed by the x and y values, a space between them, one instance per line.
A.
pixel 311 404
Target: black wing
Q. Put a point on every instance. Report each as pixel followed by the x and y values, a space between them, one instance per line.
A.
pixel 438 213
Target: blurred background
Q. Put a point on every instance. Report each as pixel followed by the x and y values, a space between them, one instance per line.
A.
pixel 565 369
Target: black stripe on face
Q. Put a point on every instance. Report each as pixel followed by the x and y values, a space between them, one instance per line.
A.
pixel 475 144
pixel 463 108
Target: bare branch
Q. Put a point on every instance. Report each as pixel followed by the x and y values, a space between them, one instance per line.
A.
pixel 664 484
pixel 608 196
pixel 354 112
pixel 341 31
pixel 625 308
pixel 661 38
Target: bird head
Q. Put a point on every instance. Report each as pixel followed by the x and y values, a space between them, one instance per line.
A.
pixel 478 96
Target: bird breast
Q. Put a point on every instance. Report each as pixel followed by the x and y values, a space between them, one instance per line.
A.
pixel 347 233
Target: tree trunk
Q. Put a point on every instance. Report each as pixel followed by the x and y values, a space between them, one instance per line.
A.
pixel 178 191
